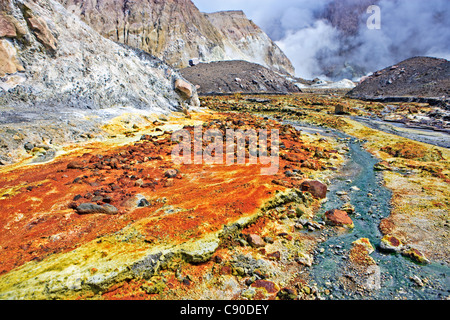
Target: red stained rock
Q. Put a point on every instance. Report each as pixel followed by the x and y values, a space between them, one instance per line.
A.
pixel 75 165
pixel 316 188
pixel 269 286
pixel 338 218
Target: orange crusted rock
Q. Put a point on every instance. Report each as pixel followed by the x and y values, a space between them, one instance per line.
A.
pixel 337 217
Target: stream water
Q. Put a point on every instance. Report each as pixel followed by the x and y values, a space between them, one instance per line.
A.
pixel 372 203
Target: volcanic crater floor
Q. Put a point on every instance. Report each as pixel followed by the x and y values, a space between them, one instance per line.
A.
pixel 154 229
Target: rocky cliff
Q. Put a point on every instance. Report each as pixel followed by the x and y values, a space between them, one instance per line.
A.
pixel 246 41
pixel 57 71
pixel 176 31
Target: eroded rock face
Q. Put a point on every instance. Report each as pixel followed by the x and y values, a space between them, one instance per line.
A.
pixel 246 41
pixel 9 63
pixel 177 32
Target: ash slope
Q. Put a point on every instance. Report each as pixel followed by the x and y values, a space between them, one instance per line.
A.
pixel 413 79
pixel 228 77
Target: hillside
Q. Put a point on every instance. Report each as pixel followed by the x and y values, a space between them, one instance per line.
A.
pixel 418 77
pixel 226 77
pixel 176 31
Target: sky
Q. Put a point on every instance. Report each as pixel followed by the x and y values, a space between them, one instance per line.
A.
pixel 407 28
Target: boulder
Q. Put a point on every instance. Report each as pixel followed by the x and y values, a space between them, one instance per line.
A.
pixel 91 208
pixel 316 188
pixel 40 29
pixel 391 243
pixel 184 88
pixel 337 217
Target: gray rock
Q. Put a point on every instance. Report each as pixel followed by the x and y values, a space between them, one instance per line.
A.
pixel 92 208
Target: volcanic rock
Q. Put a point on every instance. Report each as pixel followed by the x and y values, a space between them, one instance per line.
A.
pixel 255 241
pixel 365 243
pixel 7 28
pixel 391 243
pixel 57 73
pixel 184 87
pixel 92 208
pixel 338 218
pixel 316 188
pixel 416 255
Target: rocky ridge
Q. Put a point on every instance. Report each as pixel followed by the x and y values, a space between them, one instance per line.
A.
pixel 176 32
pixel 417 78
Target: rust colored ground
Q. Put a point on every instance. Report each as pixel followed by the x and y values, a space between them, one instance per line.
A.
pixel 37 202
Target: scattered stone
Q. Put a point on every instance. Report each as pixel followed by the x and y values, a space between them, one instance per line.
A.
pixel 337 217
pixel 305 259
pixel 28 146
pixel 417 280
pixel 274 255
pixel 255 241
pixel 349 208
pixel 92 208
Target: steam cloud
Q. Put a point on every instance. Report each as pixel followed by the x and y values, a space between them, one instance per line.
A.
pixel 330 39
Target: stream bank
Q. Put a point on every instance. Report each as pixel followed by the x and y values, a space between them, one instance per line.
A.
pixel 362 186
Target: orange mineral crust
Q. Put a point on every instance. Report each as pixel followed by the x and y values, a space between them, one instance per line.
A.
pixel 166 203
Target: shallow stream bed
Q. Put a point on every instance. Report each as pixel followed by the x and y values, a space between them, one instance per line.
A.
pixel 365 191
